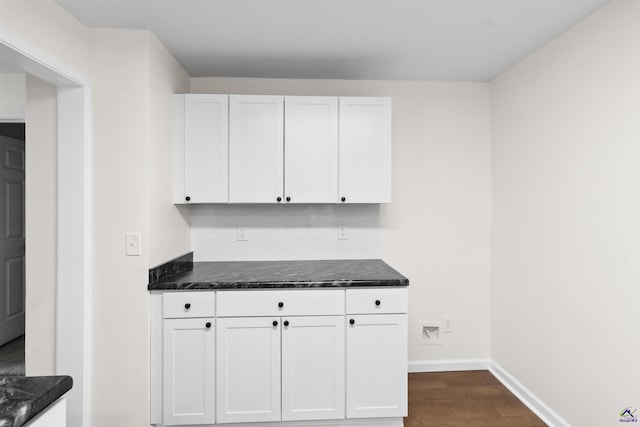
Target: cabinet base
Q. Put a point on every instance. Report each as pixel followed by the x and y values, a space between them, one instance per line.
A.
pixel 369 422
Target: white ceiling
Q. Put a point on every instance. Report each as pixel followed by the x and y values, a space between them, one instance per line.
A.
pixel 467 40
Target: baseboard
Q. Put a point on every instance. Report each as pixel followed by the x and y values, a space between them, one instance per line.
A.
pixel 448 365
pixel 537 406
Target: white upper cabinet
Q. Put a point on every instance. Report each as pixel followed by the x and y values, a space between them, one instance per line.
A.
pixel 311 149
pixel 201 148
pixel 256 138
pixel 365 150
pixel 277 149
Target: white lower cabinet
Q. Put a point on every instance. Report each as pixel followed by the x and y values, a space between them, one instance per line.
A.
pixel 248 365
pixel 377 366
pixel 188 373
pixel 280 357
pixel 313 368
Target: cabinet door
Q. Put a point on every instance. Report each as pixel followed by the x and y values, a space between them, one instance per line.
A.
pixel 377 366
pixel 311 149
pixel 365 150
pixel 313 368
pixel 248 366
pixel 206 141
pixel 256 133
pixel 188 371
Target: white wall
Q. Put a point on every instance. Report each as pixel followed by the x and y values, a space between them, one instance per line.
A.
pixel 566 229
pixel 132 80
pixel 40 218
pixel 436 231
pixel 13 91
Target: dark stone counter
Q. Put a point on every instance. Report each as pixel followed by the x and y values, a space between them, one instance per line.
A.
pixel 22 398
pixel 276 274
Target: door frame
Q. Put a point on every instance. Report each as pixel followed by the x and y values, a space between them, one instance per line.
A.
pixel 73 278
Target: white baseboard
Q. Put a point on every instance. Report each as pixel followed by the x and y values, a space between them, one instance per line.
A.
pixel 537 406
pixel 447 365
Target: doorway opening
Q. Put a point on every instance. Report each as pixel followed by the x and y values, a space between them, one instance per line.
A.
pixel 12 249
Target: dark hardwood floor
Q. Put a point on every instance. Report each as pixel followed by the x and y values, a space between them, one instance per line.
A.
pixel 469 398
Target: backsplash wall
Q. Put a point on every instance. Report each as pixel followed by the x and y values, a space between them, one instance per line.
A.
pixel 284 232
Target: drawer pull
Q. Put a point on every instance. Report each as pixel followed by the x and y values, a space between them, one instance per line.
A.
pixel 352 322
pixel 286 323
pixel 187 306
pixel 377 302
pixel 208 325
pixel 275 323
pixel 280 304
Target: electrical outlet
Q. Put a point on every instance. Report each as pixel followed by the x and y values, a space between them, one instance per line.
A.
pixel 342 231
pixel 242 233
pixel 447 324
pixel 134 244
pixel 430 333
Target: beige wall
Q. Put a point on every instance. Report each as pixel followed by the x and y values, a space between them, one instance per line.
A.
pixel 436 231
pixel 50 29
pixel 13 91
pixel 40 218
pixel 133 78
pixel 566 234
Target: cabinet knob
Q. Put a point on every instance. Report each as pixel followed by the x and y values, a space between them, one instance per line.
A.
pixel 207 325
pixel 286 323
pixel 187 306
pixel 288 199
pixel 343 199
pixel 275 323
pixel 377 302
pixel 187 198
pixel 280 304
pixel 352 322
pixel 279 199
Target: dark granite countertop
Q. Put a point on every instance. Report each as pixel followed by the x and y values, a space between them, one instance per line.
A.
pixel 22 398
pixel 276 274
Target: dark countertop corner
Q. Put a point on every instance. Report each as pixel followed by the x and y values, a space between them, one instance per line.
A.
pixel 22 398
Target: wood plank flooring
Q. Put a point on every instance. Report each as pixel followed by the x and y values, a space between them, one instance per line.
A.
pixel 469 398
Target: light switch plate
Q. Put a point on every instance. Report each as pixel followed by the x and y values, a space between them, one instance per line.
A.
pixel 134 244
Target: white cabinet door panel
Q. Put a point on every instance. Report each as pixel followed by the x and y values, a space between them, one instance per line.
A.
pixel 377 366
pixel 313 368
pixel 189 375
pixel 248 366
pixel 205 148
pixel 311 149
pixel 365 150
pixel 256 138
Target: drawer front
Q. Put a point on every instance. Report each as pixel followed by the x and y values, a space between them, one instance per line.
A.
pixel 188 304
pixel 304 302
pixel 373 301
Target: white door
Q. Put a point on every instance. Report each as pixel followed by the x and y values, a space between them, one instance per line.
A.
pixel 12 244
pixel 313 368
pixel 248 366
pixel 365 150
pixel 206 146
pixel 311 149
pixel 189 371
pixel 376 365
pixel 256 132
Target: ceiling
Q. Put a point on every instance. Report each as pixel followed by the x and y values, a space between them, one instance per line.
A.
pixel 463 40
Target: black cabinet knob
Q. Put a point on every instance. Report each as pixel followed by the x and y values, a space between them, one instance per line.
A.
pixel 208 325
pixel 288 199
pixel 377 302
pixel 275 323
pixel 281 304
pixel 187 198
pixel 187 306
pixel 286 323
pixel 343 199
pixel 279 199
pixel 352 322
